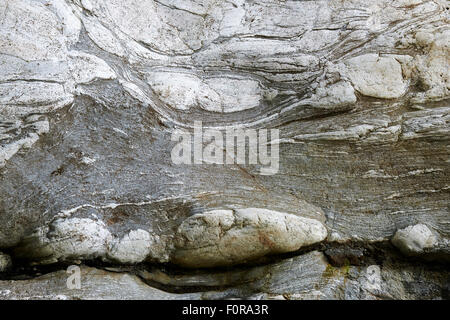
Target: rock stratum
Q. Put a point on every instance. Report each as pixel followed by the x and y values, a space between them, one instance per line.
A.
pixel 91 92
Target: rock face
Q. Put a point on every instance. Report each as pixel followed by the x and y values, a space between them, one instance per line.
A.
pixel 307 276
pixel 93 91
pixel 113 285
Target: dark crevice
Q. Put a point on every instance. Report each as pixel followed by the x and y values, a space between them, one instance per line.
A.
pixel 350 253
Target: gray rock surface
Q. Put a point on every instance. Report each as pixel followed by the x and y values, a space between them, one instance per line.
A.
pixel 5 262
pixel 117 286
pixel 308 276
pixel 92 90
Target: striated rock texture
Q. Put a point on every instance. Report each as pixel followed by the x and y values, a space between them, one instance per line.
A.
pixel 91 92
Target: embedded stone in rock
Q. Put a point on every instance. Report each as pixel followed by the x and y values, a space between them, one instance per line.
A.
pixel 86 68
pixel 217 94
pixel 333 96
pixel 427 68
pixel 375 76
pixel 415 239
pixel 43 96
pixel 82 238
pixel 5 262
pixel 65 239
pixel 227 237
pixel 31 32
pixel 132 248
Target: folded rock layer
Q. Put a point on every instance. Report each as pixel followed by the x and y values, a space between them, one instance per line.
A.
pixel 92 93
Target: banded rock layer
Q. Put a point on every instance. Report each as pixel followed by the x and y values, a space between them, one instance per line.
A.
pixel 92 90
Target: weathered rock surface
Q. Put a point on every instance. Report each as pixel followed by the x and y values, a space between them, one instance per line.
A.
pixel 218 238
pixel 308 276
pixel 91 92
pixel 53 286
